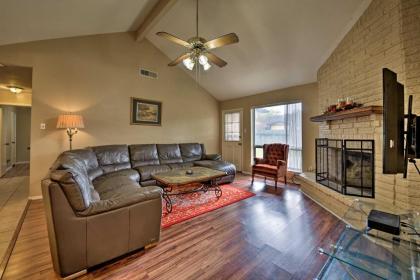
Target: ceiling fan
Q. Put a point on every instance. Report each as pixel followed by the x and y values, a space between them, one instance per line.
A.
pixel 198 52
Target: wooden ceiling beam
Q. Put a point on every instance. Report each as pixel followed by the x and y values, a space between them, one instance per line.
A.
pixel 157 12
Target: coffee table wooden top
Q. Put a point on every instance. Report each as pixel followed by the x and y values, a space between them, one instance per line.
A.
pixel 180 177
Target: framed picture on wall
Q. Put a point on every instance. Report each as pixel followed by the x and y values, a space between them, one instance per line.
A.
pixel 146 112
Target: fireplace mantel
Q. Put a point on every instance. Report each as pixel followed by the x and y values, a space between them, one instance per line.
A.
pixel 352 113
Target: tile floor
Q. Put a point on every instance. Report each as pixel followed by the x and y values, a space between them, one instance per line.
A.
pixel 14 193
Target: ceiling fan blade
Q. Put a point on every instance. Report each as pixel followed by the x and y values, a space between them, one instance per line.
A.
pixel 224 40
pixel 215 59
pixel 179 59
pixel 174 39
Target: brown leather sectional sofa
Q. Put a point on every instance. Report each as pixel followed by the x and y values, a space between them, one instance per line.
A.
pixel 101 202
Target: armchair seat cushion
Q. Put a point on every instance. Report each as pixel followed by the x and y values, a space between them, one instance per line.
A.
pixel 147 171
pixel 221 165
pixel 266 168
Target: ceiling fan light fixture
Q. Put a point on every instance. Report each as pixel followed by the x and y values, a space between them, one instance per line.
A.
pixel 202 59
pixel 15 89
pixel 206 66
pixel 189 63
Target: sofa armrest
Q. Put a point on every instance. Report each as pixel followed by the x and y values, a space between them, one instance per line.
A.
pixel 259 161
pixel 123 200
pixel 213 157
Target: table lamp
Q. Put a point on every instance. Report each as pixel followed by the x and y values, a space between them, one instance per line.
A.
pixel 72 123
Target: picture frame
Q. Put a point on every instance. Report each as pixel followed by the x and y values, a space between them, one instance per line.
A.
pixel 145 112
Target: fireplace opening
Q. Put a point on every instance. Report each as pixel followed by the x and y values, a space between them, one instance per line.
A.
pixel 346 166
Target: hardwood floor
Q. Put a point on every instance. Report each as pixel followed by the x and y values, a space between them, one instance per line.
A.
pixel 18 170
pixel 273 235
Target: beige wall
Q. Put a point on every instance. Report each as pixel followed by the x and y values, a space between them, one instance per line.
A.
pixel 23 133
pixel 307 94
pixel 96 76
pixel 386 35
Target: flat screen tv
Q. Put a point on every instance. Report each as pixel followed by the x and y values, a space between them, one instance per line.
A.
pixel 393 129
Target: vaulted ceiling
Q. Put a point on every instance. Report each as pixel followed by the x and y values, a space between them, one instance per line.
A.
pixel 32 20
pixel 282 42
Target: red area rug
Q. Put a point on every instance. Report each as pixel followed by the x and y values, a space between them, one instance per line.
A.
pixel 191 205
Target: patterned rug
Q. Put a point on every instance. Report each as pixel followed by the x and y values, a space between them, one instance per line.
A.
pixel 188 206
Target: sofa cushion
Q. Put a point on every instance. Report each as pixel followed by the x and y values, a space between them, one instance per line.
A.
pixel 90 160
pixel 131 174
pixel 191 152
pixel 169 153
pixel 105 184
pixel 69 171
pixel 146 172
pixel 224 166
pixel 128 193
pixel 181 165
pixel 145 154
pixel 112 157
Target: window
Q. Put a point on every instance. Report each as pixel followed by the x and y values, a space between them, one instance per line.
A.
pixel 280 124
pixel 232 126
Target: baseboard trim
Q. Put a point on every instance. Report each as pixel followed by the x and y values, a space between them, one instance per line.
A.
pixel 35 197
pixel 12 243
pixel 22 162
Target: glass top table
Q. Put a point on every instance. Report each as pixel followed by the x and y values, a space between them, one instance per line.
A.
pixel 363 253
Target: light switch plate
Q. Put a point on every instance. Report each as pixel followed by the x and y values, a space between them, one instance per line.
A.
pixel 43 126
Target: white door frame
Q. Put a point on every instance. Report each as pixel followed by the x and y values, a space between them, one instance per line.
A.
pixel 13 137
pixel 241 111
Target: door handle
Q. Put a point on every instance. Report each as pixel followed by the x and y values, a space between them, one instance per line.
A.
pixel 7 144
pixel 13 142
pixel 239 144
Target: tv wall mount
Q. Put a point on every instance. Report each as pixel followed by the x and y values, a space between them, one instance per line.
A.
pixel 409 153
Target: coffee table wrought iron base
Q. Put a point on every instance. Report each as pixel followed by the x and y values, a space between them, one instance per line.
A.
pixel 195 179
pixel 170 190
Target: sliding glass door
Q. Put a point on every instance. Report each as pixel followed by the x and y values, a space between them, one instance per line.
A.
pixel 279 124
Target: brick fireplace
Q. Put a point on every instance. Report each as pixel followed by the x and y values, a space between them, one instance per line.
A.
pixel 385 36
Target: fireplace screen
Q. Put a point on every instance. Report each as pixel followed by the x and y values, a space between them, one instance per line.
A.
pixel 346 166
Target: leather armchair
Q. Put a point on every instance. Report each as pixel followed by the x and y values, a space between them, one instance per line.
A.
pixel 273 164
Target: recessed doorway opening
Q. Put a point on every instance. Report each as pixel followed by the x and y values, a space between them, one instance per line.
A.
pixel 15 131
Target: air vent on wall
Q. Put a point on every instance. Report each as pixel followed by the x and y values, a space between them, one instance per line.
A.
pixel 148 74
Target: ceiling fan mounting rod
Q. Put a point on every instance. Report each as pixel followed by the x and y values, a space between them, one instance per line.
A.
pixel 196 19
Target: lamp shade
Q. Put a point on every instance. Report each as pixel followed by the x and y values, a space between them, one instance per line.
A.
pixel 70 121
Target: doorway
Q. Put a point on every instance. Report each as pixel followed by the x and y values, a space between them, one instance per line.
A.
pixel 15 129
pixel 232 148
